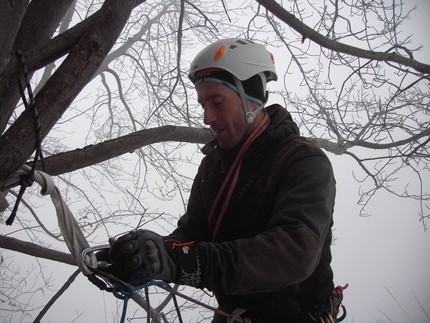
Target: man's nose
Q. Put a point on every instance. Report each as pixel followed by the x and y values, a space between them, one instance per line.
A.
pixel 209 116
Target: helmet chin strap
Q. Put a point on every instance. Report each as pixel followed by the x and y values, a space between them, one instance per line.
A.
pixel 250 115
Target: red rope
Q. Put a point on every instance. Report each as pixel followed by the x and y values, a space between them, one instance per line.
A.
pixel 233 175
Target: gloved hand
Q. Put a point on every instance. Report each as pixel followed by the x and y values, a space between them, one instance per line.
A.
pixel 140 256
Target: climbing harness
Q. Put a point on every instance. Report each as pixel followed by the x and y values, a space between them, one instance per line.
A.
pixel 330 312
pixel 336 303
pixel 30 105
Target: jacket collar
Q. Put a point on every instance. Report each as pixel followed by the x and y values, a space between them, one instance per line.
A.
pixel 281 125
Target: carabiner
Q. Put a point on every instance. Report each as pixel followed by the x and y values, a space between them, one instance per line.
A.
pixel 90 260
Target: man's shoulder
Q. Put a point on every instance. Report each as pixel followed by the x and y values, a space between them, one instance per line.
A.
pixel 292 148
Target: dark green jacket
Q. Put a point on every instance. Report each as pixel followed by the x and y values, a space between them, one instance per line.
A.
pixel 272 251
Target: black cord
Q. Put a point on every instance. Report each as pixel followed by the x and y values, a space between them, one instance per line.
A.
pixel 26 180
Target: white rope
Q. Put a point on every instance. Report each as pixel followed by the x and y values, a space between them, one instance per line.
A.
pixel 73 236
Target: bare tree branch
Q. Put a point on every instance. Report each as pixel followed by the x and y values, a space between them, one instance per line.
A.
pixel 93 154
pixel 35 250
pixel 309 33
pixel 57 295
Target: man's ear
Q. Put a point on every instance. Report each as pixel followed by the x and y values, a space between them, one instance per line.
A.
pixel 252 106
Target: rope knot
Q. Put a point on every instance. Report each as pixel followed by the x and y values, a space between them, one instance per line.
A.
pixel 123 291
pixel 26 181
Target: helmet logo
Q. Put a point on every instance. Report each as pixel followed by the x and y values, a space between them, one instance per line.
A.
pixel 220 52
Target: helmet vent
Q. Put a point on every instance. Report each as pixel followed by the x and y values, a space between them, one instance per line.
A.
pixel 241 42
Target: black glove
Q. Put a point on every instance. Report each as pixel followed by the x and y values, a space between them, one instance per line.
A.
pixel 103 271
pixel 141 256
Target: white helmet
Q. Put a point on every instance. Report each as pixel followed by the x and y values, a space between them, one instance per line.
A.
pixel 242 58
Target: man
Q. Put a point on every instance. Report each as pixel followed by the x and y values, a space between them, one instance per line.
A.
pixel 257 230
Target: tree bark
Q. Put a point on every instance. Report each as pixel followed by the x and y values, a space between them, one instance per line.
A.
pixel 19 142
pixel 39 23
pixel 11 14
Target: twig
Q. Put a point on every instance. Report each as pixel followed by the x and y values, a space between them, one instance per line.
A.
pixel 57 296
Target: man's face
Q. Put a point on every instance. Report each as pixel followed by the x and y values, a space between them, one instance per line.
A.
pixel 223 112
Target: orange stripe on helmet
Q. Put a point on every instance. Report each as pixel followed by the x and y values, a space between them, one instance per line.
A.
pixel 220 52
pixel 272 57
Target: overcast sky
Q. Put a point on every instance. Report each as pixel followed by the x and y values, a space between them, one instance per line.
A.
pixel 385 257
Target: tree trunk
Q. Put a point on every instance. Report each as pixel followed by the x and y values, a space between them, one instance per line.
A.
pixel 19 142
pixel 39 23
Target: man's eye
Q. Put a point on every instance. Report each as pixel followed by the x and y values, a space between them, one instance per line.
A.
pixel 211 104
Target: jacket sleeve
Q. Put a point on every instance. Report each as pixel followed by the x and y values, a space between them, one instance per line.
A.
pixel 192 226
pixel 288 251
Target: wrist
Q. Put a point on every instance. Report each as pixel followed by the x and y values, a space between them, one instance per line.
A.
pixel 189 271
